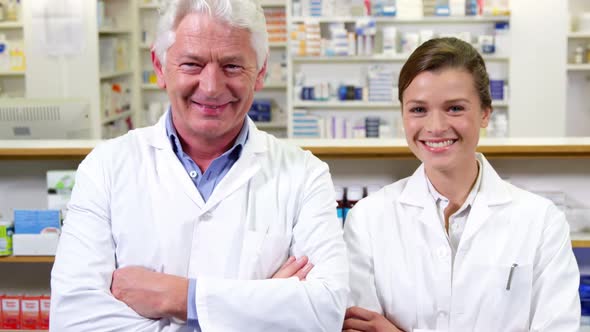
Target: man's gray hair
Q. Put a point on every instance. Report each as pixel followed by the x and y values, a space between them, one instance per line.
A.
pixel 247 14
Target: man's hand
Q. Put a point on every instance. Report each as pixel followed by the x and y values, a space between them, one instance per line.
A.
pixel 151 294
pixel 361 320
pixel 294 267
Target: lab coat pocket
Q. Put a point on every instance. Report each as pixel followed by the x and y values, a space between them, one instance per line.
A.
pixel 506 296
pixel 263 254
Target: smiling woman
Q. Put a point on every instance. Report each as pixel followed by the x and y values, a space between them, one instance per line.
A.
pixel 454 247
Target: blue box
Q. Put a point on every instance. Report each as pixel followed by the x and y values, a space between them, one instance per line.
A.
pixel 36 221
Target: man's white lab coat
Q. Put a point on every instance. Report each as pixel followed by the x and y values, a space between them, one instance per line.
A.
pixel 135 205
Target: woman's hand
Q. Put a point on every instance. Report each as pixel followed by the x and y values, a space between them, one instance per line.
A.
pixel 361 320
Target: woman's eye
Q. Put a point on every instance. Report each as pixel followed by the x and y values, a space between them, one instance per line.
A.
pixel 455 109
pixel 417 110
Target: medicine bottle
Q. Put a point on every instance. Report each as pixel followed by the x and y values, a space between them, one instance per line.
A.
pixel 579 55
pixel 340 202
pixel 353 195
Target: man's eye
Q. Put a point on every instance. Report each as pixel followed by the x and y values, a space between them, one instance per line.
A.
pixel 233 68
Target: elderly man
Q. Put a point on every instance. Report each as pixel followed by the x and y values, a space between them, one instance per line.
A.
pixel 182 226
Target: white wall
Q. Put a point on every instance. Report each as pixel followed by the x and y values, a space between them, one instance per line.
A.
pixel 73 76
pixel 538 68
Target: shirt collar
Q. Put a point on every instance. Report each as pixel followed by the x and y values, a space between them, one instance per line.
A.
pixel 470 198
pixel 176 146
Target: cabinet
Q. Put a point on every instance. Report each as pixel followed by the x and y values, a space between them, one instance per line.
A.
pixel 578 68
pixel 12 54
pixel 330 56
pixel 116 37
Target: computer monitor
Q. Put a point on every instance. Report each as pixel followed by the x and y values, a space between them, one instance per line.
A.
pixel 22 118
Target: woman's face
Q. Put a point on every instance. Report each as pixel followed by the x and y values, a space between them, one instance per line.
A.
pixel 442 117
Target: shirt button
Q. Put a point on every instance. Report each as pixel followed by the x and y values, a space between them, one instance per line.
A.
pixel 193 174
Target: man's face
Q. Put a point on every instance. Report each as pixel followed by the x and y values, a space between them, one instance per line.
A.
pixel 210 76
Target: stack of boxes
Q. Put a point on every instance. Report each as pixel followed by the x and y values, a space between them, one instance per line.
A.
pixel 260 111
pixel 24 312
pixel 306 125
pixel 306 39
pixel 380 82
pixel 276 24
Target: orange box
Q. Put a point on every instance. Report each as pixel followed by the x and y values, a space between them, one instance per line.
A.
pixel 44 304
pixel 11 312
pixel 29 312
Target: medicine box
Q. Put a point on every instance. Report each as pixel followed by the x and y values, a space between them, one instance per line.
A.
pixel 36 221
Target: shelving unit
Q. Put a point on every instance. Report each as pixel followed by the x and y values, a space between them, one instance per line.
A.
pixel 349 69
pixel 394 20
pixel 577 110
pixel 118 86
pixel 106 76
pixel 13 83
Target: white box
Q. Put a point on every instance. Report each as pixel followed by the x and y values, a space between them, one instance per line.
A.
pixel 34 244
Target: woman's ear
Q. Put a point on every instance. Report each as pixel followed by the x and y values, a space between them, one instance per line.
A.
pixel 486 113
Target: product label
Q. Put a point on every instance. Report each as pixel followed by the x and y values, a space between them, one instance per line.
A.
pixel 10 314
pixel 29 314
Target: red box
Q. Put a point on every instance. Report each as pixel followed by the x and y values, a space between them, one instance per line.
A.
pixel 44 304
pixel 29 312
pixel 11 312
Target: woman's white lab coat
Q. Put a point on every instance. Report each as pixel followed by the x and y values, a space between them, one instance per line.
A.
pixel 134 204
pixel 401 264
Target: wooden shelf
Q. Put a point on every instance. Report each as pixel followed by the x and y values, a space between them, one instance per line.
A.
pixel 270 125
pixel 149 6
pixel 27 259
pixel 150 87
pixel 11 25
pixel 116 117
pixel 277 44
pixel 111 31
pixel 423 20
pixel 273 3
pixel 104 76
pixel 579 35
pixel 580 240
pixel 274 86
pixel 12 73
pixel 348 104
pixel 578 67
pixel 571 147
pixel 373 58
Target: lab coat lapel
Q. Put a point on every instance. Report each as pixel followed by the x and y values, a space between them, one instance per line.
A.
pixel 243 170
pixel 169 168
pixel 492 193
pixel 416 194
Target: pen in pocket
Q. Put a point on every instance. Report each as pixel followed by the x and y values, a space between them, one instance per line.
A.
pixel 512 268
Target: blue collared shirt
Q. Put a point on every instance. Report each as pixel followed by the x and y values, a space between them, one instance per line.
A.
pixel 205 183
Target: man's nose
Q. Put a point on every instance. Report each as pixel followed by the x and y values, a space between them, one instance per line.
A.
pixel 211 80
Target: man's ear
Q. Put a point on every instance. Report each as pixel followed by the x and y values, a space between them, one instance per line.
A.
pixel 260 77
pixel 159 69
